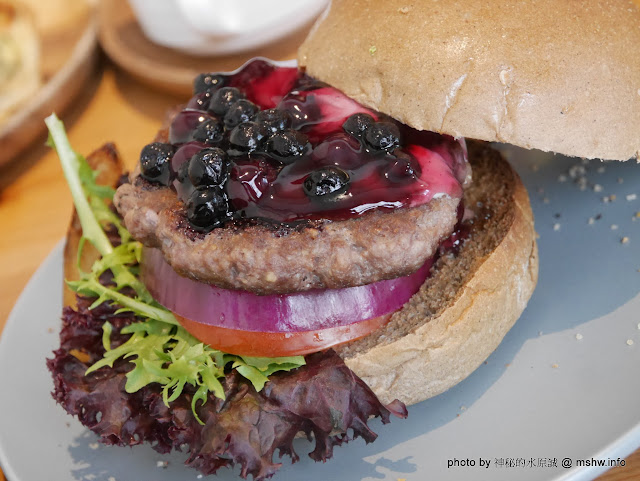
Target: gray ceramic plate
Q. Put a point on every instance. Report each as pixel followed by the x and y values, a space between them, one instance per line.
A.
pixel 543 395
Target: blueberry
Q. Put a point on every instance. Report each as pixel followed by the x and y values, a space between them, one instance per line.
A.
pixel 287 145
pixel 358 124
pixel 200 101
pixel 327 182
pixel 182 175
pixel 383 136
pixel 155 162
pixel 208 167
pixel 184 187
pixel 184 123
pixel 207 208
pixel 224 98
pixel 273 120
pixel 245 137
pixel 207 81
pixel 209 132
pixel 241 111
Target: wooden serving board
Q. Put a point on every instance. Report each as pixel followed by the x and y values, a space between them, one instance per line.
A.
pixel 68 50
pixel 170 70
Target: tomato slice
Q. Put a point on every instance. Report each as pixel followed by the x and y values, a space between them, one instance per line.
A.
pixel 278 344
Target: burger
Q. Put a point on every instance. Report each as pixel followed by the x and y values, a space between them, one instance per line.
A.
pixel 309 251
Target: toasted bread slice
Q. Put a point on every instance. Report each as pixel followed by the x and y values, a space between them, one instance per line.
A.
pixel 110 168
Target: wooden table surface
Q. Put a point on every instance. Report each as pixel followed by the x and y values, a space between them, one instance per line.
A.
pixel 35 205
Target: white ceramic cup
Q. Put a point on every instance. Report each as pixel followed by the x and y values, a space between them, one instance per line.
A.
pixel 219 27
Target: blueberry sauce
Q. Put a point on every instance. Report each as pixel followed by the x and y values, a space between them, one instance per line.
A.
pixel 296 148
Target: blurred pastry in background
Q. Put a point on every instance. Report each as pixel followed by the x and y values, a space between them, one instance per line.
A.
pixel 19 56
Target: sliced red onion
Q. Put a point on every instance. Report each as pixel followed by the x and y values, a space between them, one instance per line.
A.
pixel 297 312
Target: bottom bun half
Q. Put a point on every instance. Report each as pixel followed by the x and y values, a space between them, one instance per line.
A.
pixel 472 299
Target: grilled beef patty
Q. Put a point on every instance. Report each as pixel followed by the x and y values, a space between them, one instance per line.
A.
pixel 266 258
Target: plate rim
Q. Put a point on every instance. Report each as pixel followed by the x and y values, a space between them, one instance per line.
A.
pixel 54 256
pixel 622 447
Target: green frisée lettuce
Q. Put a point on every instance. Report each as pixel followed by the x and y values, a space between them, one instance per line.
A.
pixel 161 350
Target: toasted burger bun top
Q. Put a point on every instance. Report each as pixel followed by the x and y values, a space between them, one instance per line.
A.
pixel 561 76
